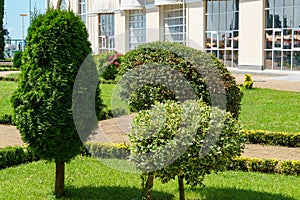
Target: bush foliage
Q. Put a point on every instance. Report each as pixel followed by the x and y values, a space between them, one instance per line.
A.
pixel 11 156
pixel 248 83
pixel 17 60
pixel 108 64
pixel 187 140
pixel 272 138
pixel 49 99
pixel 207 76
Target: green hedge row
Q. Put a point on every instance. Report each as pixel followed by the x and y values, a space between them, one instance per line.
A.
pixel 8 68
pixel 290 167
pixel 107 150
pixel 272 138
pixel 5 78
pixel 6 119
pixel 121 151
pixel 11 156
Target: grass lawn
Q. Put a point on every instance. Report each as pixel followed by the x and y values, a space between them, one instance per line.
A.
pixel 87 178
pixel 106 93
pixel 6 90
pixel 15 75
pixel 271 110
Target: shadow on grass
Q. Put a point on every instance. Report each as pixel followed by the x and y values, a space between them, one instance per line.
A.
pixel 212 193
pixel 110 193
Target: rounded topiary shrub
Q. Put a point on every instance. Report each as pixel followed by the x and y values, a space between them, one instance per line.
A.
pixel 201 70
pixel 187 141
pixel 17 60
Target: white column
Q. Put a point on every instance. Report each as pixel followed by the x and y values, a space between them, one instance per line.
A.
pixel 120 31
pixel 251 34
pixel 152 23
pixel 195 24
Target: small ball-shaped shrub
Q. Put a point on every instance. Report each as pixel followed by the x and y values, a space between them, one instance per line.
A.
pixel 17 60
pixel 201 70
pixel 248 82
pixel 189 140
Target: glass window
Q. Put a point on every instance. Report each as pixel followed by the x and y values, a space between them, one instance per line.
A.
pixel 222 22
pixel 269 18
pixel 278 18
pixel 137 28
pixel 296 60
pixel 282 38
pixel 236 5
pixel 296 39
pixel 288 2
pixel 82 10
pixel 269 4
pixel 229 21
pixel 106 32
pixel 288 17
pixel 297 16
pixel 229 7
pixel 174 24
pixel 297 2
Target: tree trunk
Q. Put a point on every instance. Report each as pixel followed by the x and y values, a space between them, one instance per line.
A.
pixel 181 188
pixel 147 193
pixel 58 4
pixel 60 178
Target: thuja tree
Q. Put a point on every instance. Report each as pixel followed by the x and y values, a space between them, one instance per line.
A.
pixel 57 45
pixel 2 44
pixel 187 141
pixel 205 74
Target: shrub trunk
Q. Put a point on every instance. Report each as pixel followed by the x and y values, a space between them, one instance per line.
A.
pixel 147 193
pixel 181 188
pixel 60 178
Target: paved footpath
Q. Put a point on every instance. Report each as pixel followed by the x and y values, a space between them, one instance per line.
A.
pixel 115 130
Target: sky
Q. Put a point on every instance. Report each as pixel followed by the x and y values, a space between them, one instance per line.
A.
pixel 13 21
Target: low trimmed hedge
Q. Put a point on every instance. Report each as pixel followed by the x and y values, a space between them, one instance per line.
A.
pixel 8 68
pixel 6 119
pixel 289 167
pixel 121 151
pixel 11 156
pixel 5 78
pixel 108 150
pixel 272 138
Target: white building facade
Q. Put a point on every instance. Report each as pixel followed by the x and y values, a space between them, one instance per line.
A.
pixel 252 34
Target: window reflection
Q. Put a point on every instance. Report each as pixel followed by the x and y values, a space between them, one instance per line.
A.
pixel 222 30
pixel 282 36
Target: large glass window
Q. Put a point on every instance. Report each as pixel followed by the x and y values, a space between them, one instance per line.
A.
pixel 222 26
pixel 82 10
pixel 282 25
pixel 107 32
pixel 137 28
pixel 174 23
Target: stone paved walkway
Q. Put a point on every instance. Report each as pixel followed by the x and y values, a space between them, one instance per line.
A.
pixel 115 130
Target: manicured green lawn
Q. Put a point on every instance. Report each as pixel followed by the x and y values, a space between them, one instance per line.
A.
pixel 6 90
pixel 271 110
pixel 88 178
pixel 106 93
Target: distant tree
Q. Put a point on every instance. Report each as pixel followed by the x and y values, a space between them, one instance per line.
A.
pixel 57 45
pixel 2 44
